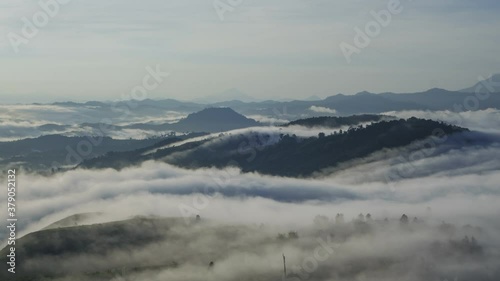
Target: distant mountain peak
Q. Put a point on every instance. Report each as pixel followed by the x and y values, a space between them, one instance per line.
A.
pixel 313 98
pixel 363 93
pixel 436 90
pixel 215 111
pixel 214 119
pixel 489 85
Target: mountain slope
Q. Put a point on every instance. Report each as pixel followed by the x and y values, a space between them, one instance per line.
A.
pixel 490 85
pixel 285 155
pixel 106 251
pixel 297 157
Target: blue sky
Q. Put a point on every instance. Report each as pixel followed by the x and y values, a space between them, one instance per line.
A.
pixel 98 50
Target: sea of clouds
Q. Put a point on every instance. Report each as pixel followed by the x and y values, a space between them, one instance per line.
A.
pixel 454 183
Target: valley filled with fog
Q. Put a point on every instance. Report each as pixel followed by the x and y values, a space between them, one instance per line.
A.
pixel 172 207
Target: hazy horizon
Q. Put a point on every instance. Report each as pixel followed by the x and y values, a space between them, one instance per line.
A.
pixel 221 97
pixel 94 50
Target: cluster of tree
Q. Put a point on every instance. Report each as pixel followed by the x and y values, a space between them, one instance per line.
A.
pixel 462 247
pixel 321 220
pixel 337 122
pixel 467 245
pixel 290 236
pixel 339 218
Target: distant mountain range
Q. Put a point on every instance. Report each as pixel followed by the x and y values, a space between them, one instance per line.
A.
pixel 42 153
pixel 490 85
pixel 224 116
pixel 341 105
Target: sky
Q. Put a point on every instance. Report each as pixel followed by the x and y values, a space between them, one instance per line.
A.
pixel 281 49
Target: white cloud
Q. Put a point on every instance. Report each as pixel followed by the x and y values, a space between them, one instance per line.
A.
pixel 321 109
pixel 480 120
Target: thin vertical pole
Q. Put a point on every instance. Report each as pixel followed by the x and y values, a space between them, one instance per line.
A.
pixel 284 268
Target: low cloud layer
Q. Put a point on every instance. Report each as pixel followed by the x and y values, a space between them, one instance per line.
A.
pixel 246 212
pixel 33 120
pixel 480 120
pixel 444 176
pixel 452 189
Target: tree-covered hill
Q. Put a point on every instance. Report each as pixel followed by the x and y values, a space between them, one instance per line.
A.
pixel 284 155
pixel 142 248
pixel 336 122
pixel 297 157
